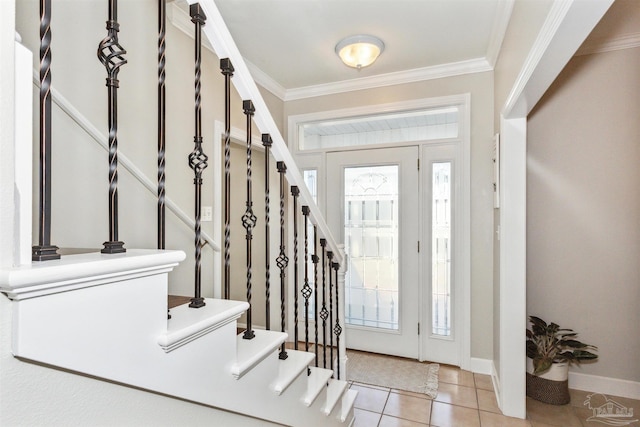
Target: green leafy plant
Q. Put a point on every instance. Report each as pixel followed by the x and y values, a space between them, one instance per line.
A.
pixel 548 344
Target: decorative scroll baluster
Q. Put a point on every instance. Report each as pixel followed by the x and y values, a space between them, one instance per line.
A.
pixel 306 289
pixel 315 260
pixel 267 142
pixel 295 192
pixel 337 329
pixel 162 14
pixel 249 219
pixel 227 71
pixel 45 251
pixel 330 257
pixel 323 312
pixel 197 158
pixel 111 55
pixel 282 261
pixel 162 20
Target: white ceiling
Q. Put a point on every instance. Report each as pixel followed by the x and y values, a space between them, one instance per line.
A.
pixel 289 44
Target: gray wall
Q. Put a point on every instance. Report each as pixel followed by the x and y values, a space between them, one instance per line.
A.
pixel 583 208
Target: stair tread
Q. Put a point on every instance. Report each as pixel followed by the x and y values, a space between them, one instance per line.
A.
pixel 348 400
pixel 187 324
pixel 253 351
pixel 317 381
pixel 334 393
pixel 291 368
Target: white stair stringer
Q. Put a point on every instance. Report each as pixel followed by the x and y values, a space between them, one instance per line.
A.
pixel 113 325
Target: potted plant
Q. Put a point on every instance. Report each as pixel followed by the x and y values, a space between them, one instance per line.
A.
pixel 550 351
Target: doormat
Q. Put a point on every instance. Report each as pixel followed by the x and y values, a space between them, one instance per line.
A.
pixel 393 372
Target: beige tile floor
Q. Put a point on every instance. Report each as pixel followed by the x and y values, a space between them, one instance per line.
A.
pixel 465 400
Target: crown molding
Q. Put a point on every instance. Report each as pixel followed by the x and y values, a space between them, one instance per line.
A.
pixel 478 65
pixel 627 41
pixel 264 80
pixel 505 8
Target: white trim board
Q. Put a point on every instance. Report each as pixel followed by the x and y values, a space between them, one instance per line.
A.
pixel 610 386
pixel 481 366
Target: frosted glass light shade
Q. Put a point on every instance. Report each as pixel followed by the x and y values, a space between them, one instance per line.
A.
pixel 359 51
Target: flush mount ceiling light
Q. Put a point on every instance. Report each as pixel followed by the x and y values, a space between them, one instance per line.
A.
pixel 359 51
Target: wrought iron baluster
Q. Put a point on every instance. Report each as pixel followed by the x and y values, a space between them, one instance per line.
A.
pixel 323 312
pixel 162 14
pixel 227 71
pixel 337 329
pixel 282 259
pixel 315 260
pixel 249 219
pixel 197 158
pixel 306 289
pixel 330 258
pixel 111 55
pixel 295 192
pixel 44 250
pixel 267 142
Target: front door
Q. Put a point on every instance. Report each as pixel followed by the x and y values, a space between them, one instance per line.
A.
pixel 376 198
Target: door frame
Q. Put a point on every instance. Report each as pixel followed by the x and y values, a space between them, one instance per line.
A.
pixel 317 159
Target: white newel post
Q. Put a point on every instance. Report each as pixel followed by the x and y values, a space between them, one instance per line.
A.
pixel 343 337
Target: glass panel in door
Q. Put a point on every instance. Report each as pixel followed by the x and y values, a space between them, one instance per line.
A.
pixel 371 242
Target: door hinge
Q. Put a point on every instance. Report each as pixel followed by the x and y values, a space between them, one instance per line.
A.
pixel 418 246
pixel 418 163
pixel 418 328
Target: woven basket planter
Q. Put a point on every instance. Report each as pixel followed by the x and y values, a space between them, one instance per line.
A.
pixel 551 387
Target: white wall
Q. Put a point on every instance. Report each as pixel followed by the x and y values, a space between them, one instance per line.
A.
pixel 7 117
pixel 584 208
pixel 35 395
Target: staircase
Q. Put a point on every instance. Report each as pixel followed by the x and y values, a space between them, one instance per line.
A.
pixel 106 317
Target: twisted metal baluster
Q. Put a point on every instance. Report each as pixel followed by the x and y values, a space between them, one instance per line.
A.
pixel 111 55
pixel 337 329
pixel 197 158
pixel 282 261
pixel 330 257
pixel 315 259
pixel 227 71
pixel 249 219
pixel 323 312
pixel 295 192
pixel 45 250
pixel 267 142
pixel 162 13
pixel 306 289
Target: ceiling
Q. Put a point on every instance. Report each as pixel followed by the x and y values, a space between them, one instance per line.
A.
pixel 289 44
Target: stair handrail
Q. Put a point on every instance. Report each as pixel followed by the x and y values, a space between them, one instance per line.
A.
pixel 74 114
pixel 224 46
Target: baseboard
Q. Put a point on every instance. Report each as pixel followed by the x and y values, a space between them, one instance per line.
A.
pixel 496 384
pixel 604 385
pixel 481 366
